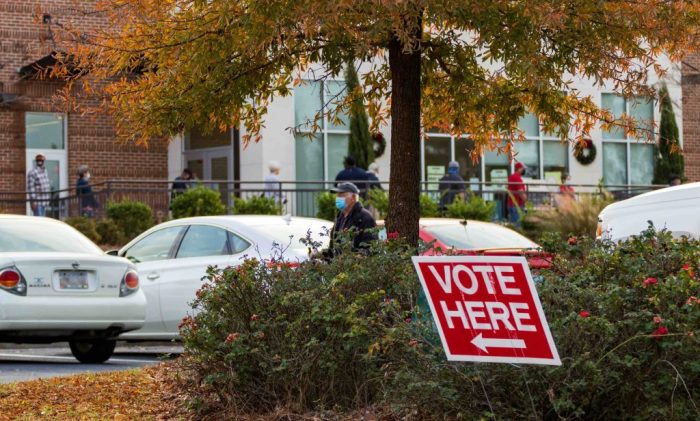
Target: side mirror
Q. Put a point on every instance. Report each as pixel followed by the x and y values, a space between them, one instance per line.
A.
pixel 112 252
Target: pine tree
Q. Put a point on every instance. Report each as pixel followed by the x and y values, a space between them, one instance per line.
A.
pixel 360 145
pixel 669 156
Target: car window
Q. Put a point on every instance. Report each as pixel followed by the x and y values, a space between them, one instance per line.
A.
pixel 43 235
pixel 155 246
pixel 479 236
pixel 290 235
pixel 203 240
pixel 238 244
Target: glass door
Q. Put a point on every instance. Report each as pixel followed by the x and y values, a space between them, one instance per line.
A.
pixel 214 165
pixel 46 133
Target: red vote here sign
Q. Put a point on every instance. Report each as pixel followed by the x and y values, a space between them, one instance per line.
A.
pixel 486 309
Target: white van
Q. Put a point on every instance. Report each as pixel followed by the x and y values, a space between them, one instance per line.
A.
pixel 676 209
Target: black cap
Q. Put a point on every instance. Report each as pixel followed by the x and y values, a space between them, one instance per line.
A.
pixel 346 188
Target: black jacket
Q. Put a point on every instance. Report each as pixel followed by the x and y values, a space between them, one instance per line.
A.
pixel 361 222
pixel 450 186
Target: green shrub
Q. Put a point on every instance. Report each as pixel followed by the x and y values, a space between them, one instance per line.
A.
pixel 379 200
pixel 86 226
pixel 131 217
pixel 336 336
pixel 198 201
pixel 110 233
pixel 570 217
pixel 325 206
pixel 257 205
pixel 474 208
pixel 429 207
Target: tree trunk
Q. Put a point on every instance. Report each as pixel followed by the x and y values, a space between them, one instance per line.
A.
pixel 404 179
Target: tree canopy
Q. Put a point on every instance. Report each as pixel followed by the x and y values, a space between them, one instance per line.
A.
pixel 465 66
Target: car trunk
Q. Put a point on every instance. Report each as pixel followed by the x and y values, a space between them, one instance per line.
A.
pixel 68 274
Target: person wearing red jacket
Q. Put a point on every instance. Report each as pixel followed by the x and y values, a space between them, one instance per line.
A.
pixel 517 195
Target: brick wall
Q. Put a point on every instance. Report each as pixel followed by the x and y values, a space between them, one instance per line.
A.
pixel 691 116
pixel 91 139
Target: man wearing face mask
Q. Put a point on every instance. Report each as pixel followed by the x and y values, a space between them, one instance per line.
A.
pixel 351 217
pixel 38 187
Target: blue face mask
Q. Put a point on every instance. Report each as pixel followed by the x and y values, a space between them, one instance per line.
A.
pixel 340 203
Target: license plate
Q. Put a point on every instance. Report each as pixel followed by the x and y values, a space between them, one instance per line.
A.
pixel 73 279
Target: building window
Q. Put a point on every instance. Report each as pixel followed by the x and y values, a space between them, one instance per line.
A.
pixel 545 156
pixel 319 155
pixel 628 160
pixel 45 131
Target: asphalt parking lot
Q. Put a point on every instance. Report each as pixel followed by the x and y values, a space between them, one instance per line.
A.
pixel 28 362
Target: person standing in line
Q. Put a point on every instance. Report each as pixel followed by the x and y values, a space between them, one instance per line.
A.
pixel 273 187
pixel 451 185
pixel 353 174
pixel 517 195
pixel 88 203
pixel 566 188
pixel 38 187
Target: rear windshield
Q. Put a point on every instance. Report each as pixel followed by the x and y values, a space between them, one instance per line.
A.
pixel 479 236
pixel 41 235
pixel 289 235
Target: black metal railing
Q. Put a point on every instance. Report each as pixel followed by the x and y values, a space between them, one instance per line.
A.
pixel 297 198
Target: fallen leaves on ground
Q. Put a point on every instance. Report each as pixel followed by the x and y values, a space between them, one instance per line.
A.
pixel 141 394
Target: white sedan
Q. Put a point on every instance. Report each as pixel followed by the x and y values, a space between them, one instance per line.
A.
pixel 173 258
pixel 56 285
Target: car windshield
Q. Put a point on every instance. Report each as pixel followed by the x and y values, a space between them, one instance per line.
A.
pixel 478 236
pixel 42 235
pixel 289 235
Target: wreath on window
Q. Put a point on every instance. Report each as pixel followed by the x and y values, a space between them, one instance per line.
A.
pixel 585 151
pixel 379 144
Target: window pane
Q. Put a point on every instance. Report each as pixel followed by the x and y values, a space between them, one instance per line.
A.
pixel 641 163
pixel 642 110
pixel 45 131
pixel 156 246
pixel 497 166
pixel 615 163
pixel 309 167
pixel 616 105
pixel 203 240
pixel 438 153
pixel 528 152
pixel 555 160
pixel 196 139
pixel 335 93
pixel 309 157
pixel 529 125
pixel 337 150
pixel 197 167
pixel 238 245
pixel 307 102
pixel 467 168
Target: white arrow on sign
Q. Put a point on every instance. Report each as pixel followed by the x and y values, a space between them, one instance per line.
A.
pixel 484 343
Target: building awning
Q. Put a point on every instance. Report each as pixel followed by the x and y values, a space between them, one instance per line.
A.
pixel 44 65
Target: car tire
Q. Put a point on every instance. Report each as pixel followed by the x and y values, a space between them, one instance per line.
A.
pixel 92 352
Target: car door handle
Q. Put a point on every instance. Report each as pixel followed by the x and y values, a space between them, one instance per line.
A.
pixel 153 276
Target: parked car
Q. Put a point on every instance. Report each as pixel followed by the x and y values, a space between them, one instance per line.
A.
pixel 672 208
pixel 56 285
pixel 479 238
pixel 173 258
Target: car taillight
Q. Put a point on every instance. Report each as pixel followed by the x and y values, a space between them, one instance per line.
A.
pixel 129 284
pixel 599 229
pixel 11 280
